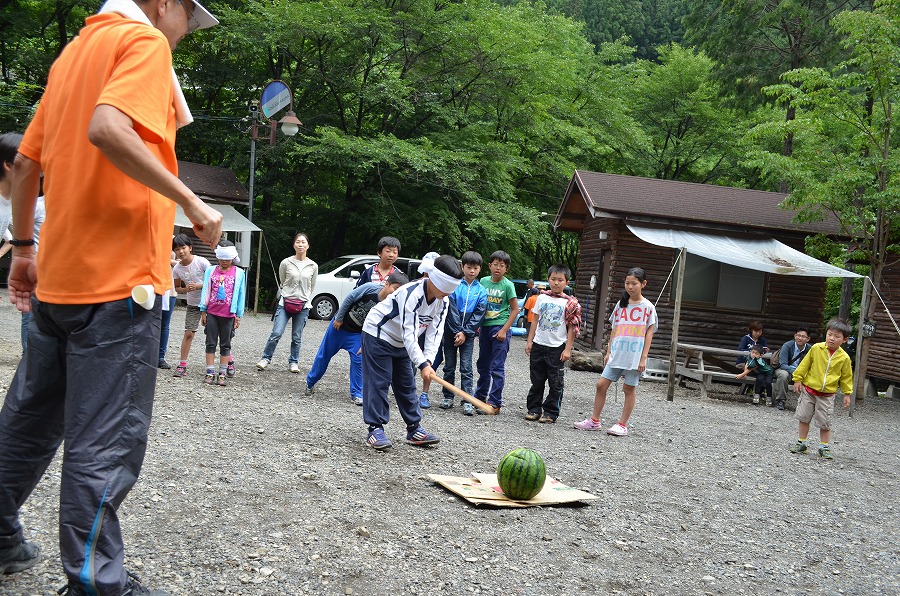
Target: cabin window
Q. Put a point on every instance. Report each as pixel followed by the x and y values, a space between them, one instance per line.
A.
pixel 722 285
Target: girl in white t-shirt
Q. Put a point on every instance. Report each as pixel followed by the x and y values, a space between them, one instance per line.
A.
pixel 633 324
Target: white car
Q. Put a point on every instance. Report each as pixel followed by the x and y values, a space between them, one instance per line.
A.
pixel 338 277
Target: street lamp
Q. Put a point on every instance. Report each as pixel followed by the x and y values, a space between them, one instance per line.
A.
pixel 275 96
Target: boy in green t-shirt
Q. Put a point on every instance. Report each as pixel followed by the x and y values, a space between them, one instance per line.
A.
pixel 494 335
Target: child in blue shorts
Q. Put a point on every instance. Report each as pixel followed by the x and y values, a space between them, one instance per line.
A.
pixel 633 324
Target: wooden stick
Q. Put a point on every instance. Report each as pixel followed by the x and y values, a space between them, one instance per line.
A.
pixel 486 408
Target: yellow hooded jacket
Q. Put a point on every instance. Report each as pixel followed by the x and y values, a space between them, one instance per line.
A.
pixel 823 372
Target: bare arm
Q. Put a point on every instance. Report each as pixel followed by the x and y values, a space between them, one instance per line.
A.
pixel 648 339
pixel 531 330
pixel 26 175
pixel 112 132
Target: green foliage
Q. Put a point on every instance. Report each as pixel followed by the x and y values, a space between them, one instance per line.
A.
pixel 648 24
pixel 686 131
pixel 844 165
pixel 754 41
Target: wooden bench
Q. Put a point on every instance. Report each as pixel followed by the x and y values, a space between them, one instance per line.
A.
pixel 706 364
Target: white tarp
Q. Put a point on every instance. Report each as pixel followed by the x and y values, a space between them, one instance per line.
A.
pixel 232 221
pixel 766 254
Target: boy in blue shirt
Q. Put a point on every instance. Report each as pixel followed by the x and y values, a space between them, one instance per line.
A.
pixel 344 331
pixel 494 337
pixel 388 251
pixel 467 307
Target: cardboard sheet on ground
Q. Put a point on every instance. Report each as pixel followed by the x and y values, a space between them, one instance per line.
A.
pixel 483 489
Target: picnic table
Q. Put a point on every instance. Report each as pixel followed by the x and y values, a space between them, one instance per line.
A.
pixel 706 364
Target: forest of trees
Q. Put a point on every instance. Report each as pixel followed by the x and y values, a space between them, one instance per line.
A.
pixel 455 125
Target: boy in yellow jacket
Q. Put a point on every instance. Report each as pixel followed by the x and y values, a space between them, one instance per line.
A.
pixel 817 378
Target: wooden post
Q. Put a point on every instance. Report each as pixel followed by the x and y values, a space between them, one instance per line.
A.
pixel 258 265
pixel 860 383
pixel 676 319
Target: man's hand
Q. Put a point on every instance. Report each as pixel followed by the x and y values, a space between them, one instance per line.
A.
pixel 336 324
pixel 22 278
pixel 207 222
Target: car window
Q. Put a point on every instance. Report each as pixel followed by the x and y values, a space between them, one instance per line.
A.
pixel 334 264
pixel 359 267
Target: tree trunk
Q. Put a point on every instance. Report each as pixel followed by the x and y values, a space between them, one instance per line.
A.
pixel 847 287
pixel 788 148
pixel 340 230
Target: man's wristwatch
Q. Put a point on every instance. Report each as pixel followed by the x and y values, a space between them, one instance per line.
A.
pixel 29 242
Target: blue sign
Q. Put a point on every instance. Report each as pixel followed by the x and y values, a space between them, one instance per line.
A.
pixel 275 97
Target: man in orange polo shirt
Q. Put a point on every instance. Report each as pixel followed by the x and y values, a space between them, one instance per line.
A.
pixel 104 136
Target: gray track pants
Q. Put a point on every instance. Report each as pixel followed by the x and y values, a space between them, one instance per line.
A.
pixel 88 377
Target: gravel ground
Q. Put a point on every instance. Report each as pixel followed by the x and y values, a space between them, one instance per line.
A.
pixel 256 489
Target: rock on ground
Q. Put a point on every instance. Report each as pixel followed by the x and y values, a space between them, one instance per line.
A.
pixel 255 489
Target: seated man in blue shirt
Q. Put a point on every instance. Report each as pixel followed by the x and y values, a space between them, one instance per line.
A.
pixel 789 357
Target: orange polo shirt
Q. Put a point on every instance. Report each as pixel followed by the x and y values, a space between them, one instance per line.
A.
pixel 105 233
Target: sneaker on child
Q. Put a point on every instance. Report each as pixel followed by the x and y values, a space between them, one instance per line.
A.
pixel 210 379
pixel 229 370
pixel 294 367
pixel 356 400
pixel 546 419
pixel 446 403
pixel 180 370
pixel 589 424
pixel 825 452
pixel 424 402
pixel 800 447
pixel 222 380
pixel 468 409
pixel 618 430
pixel 262 364
pixel 19 557
pixel 420 436
pixel 163 364
pixel 378 440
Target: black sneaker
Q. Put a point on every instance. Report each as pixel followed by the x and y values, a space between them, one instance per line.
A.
pixel 163 364
pixel 19 557
pixel 132 587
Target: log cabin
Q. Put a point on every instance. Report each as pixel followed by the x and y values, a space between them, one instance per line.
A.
pixel 719 300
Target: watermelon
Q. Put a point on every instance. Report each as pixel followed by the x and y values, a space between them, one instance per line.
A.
pixel 521 474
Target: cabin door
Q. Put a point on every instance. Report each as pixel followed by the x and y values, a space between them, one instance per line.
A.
pixel 601 299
